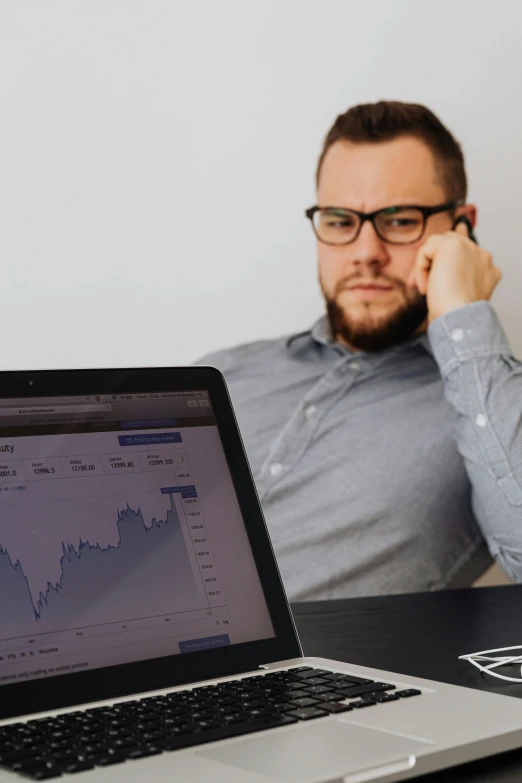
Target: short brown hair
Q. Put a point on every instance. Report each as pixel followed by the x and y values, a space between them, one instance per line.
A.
pixel 388 120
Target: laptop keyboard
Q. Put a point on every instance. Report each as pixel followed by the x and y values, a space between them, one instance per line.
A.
pixel 65 744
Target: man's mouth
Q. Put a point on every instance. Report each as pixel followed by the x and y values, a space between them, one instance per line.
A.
pixel 370 287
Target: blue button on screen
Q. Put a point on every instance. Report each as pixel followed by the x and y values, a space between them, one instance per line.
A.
pixel 206 643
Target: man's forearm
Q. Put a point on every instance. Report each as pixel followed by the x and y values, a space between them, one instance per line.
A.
pixel 483 382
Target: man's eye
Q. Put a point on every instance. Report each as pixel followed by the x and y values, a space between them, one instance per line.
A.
pixel 338 220
pixel 402 222
pixel 331 223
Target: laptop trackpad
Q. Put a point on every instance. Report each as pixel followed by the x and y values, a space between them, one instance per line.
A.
pixel 317 752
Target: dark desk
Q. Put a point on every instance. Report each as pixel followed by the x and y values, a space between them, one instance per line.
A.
pixel 423 634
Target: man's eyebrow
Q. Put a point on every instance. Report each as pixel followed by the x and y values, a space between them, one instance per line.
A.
pixel 385 210
pixel 337 210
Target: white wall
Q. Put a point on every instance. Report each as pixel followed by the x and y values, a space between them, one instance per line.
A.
pixel 156 158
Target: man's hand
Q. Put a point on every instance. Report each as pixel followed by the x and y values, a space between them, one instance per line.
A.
pixel 452 271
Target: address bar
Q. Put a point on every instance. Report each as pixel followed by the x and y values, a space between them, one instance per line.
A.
pixel 49 410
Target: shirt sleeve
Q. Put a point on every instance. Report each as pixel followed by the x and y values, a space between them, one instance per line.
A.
pixel 483 383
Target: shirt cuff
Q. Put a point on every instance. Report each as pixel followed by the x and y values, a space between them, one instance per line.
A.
pixel 466 333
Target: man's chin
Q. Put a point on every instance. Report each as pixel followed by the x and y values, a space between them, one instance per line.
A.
pixel 374 329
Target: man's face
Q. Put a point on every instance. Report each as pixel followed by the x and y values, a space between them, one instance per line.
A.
pixel 369 305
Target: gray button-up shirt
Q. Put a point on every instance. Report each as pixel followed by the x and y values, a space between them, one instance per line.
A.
pixel 389 472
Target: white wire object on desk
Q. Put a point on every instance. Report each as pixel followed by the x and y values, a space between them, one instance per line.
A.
pixel 494 661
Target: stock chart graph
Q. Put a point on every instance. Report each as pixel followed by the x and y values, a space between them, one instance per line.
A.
pixel 148 570
pixel 105 554
pixel 83 548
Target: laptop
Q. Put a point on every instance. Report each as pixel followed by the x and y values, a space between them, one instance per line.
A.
pixel 144 630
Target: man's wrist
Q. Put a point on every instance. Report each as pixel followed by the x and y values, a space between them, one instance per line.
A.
pixel 465 333
pixel 456 304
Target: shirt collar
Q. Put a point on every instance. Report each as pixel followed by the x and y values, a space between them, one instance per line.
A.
pixel 321 333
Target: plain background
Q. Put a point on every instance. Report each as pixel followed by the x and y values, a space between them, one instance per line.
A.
pixel 156 158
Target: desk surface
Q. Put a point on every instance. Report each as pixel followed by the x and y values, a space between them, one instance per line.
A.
pixel 422 634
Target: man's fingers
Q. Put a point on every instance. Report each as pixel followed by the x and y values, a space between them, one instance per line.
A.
pixel 419 277
pixel 422 280
pixel 461 228
pixel 421 268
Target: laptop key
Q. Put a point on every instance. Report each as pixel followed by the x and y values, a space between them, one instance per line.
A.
pixel 77 766
pixel 261 713
pixel 351 678
pixel 30 763
pixel 221 711
pixel 126 742
pixel 329 696
pixel 93 750
pixel 111 758
pixel 347 679
pixel 209 724
pixel 250 704
pixel 305 675
pixel 285 675
pixel 334 707
pixel 314 681
pixel 293 686
pixel 43 773
pixel 307 713
pixel 179 730
pixel 382 698
pixel 305 702
pixel 408 692
pixel 362 690
pixel 363 703
pixel 145 750
pixel 66 756
pixel 319 689
pixel 298 693
pixel 280 706
pixel 155 736
pixel 10 756
pixel 234 717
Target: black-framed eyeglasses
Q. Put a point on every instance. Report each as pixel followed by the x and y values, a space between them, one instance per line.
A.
pixel 401 225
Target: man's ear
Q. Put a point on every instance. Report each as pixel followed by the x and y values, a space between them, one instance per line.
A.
pixel 470 211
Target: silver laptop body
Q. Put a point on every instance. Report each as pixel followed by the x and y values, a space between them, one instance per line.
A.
pixel 144 630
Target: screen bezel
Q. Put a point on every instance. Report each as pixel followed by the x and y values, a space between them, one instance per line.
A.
pixel 131 678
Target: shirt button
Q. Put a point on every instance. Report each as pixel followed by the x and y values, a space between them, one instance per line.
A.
pixel 457 335
pixel 355 365
pixel 481 420
pixel 275 469
pixel 309 411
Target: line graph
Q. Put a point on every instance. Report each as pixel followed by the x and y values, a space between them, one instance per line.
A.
pixel 146 567
pixel 106 554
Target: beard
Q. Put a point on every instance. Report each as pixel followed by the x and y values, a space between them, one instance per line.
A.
pixel 373 333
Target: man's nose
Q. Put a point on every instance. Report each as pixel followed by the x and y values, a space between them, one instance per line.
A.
pixel 369 250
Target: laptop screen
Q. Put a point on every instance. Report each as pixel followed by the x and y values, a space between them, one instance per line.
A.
pixel 121 537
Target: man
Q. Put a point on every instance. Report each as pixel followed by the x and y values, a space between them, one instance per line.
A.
pixel 386 441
